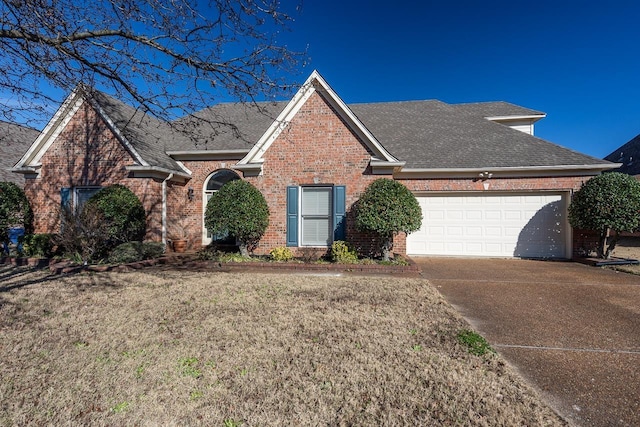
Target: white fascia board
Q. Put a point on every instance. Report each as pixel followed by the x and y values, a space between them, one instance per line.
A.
pixel 56 125
pixel 507 172
pixel 117 132
pixel 380 167
pixel 533 117
pixel 314 83
pixel 209 154
pixel 250 169
pixel 256 154
pixel 158 172
pixel 346 113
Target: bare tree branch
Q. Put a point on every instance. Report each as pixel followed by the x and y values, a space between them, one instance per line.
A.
pixel 167 58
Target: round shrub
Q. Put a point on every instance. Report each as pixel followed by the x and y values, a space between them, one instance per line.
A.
pixel 123 214
pixel 239 209
pixel 610 201
pixel 15 210
pixel 386 208
pixel 281 253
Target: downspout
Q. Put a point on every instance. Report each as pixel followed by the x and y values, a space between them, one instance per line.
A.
pixel 164 208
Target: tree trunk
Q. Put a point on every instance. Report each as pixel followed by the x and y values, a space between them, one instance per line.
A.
pixel 606 246
pixel 387 245
pixel 612 243
pixel 244 251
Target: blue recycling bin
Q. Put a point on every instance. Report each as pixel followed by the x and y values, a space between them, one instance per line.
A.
pixel 14 234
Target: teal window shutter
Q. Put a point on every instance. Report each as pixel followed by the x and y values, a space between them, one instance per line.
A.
pixel 65 198
pixel 339 212
pixel 292 216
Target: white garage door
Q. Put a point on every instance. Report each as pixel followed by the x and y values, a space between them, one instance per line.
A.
pixel 532 225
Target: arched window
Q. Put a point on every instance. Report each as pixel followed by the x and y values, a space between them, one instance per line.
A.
pixel 212 184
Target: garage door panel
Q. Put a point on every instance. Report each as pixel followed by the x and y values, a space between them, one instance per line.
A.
pixel 521 225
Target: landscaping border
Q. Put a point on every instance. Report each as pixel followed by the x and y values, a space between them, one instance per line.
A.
pixel 182 261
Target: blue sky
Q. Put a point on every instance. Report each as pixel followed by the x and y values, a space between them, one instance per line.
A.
pixel 576 61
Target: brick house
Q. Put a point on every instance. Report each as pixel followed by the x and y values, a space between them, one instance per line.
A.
pixel 486 185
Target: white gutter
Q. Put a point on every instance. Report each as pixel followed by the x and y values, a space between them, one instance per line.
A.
pixel 521 171
pixel 209 154
pixel 164 208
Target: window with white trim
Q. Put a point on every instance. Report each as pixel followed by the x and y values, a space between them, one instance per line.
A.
pixel 315 215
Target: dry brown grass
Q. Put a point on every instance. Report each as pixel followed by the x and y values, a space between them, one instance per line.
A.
pixel 628 247
pixel 181 348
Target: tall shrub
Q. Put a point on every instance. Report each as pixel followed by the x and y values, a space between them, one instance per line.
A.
pixel 123 213
pixel 239 209
pixel 15 210
pixel 387 208
pixel 112 216
pixel 607 204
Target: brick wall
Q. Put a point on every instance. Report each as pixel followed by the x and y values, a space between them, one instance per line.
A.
pixel 87 153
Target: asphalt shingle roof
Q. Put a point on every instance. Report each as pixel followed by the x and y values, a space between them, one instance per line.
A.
pixel 150 137
pixel 14 142
pixel 434 135
pixel 228 126
pixel 424 134
pixel 497 109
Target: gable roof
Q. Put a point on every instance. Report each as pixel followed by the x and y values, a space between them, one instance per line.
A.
pixel 14 141
pixel 148 137
pixel 628 156
pixel 142 135
pixel 411 137
pixel 381 159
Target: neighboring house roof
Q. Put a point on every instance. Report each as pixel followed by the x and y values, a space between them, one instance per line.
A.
pixel 629 156
pixel 14 141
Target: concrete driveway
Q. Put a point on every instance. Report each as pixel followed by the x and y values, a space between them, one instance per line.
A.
pixel 571 330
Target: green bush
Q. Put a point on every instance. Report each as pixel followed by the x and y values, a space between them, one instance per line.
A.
pixel 38 245
pixel 240 210
pixel 135 251
pixel 281 253
pixel 15 210
pixel 342 253
pixel 123 214
pixel 607 204
pixel 386 208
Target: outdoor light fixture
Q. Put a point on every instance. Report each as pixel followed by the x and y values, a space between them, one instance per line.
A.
pixel 190 194
pixel 483 176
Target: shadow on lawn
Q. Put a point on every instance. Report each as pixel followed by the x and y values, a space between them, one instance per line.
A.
pixel 20 277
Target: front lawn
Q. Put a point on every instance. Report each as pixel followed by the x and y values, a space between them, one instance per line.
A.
pixel 191 348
